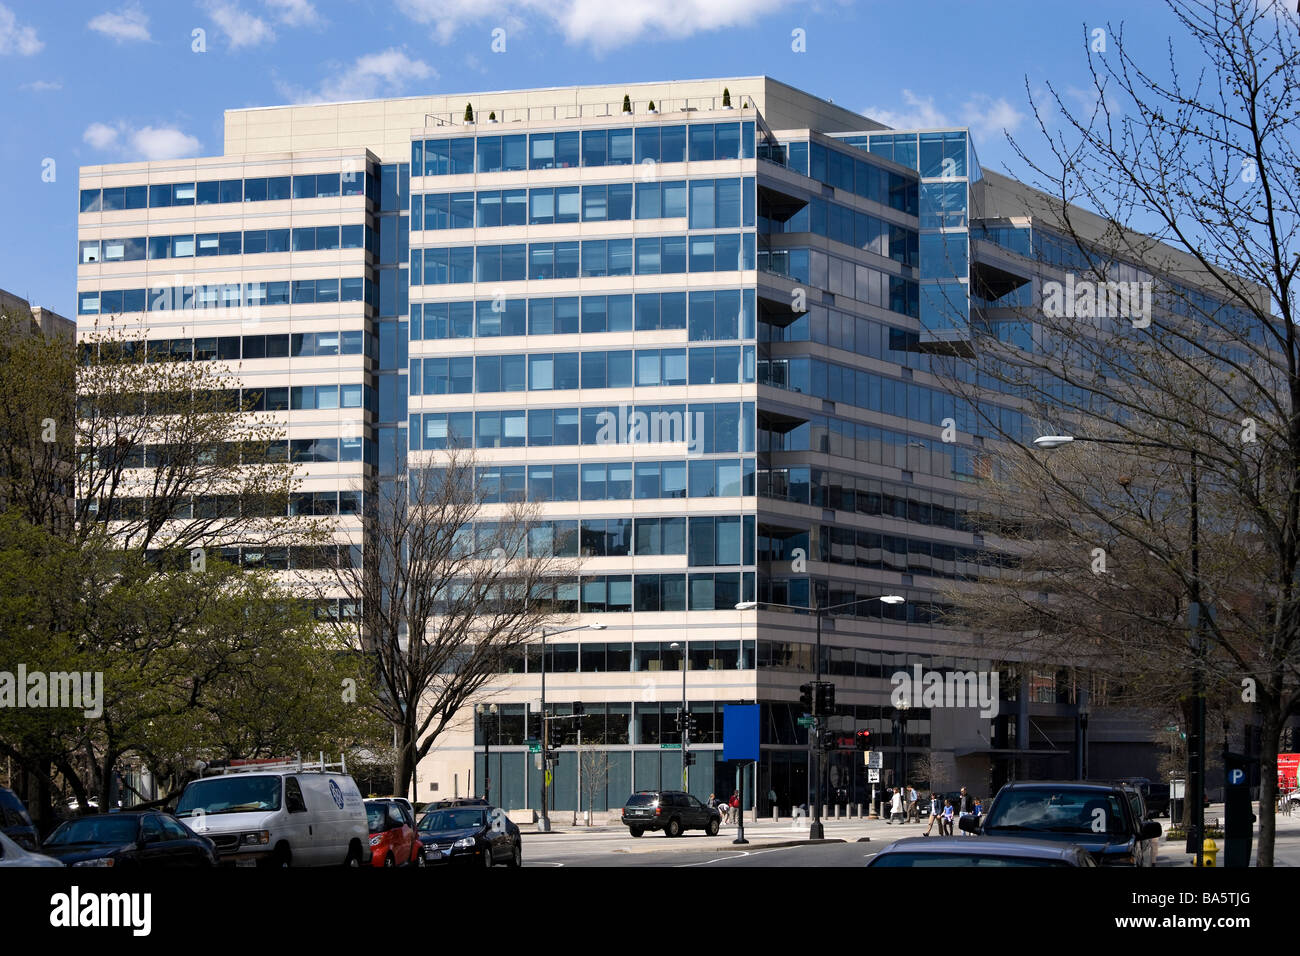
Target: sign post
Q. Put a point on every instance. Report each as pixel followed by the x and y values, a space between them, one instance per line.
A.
pixel 740 743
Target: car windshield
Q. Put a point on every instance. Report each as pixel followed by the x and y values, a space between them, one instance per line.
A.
pixel 230 795
pixel 960 859
pixel 451 820
pixel 1049 810
pixel 641 800
pixel 108 829
pixel 376 815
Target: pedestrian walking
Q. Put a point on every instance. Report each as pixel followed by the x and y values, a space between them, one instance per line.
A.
pixel 913 805
pixel 945 825
pixel 965 806
pixel 934 815
pixel 734 806
pixel 896 807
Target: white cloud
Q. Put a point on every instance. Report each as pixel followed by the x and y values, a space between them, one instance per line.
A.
pixel 100 135
pixel 595 23
pixel 918 112
pixel 990 118
pixel 163 143
pixel 295 13
pixel 129 23
pixel 240 27
pixel 42 86
pixel 375 74
pixel 16 38
pixel 986 116
pixel 146 142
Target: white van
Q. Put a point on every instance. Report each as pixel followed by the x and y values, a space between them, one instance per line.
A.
pixel 278 815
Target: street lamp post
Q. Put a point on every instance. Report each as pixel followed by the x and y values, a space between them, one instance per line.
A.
pixel 816 830
pixel 544 822
pixel 902 747
pixel 1196 624
pixel 485 711
pixel 686 770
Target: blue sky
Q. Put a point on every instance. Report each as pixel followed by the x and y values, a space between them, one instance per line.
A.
pixel 96 81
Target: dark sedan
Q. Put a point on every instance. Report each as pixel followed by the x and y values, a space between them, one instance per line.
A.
pixel 980 852
pixel 15 822
pixel 145 839
pixel 1104 819
pixel 479 835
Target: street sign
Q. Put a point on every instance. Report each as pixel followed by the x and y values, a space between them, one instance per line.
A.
pixel 1171 729
pixel 534 745
pixel 874 759
pixel 670 746
pixel 548 778
pixel 873 776
pixel 805 720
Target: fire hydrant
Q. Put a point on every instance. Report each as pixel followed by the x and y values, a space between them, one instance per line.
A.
pixel 1209 852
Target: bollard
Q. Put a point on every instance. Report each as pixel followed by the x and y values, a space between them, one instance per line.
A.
pixel 859 806
pixel 826 811
pixel 776 815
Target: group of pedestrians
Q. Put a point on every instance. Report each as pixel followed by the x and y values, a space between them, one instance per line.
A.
pixel 904 806
pixel 729 808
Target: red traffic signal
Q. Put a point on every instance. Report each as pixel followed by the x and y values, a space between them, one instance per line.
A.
pixel 864 739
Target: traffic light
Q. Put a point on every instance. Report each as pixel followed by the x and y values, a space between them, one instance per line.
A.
pixel 864 739
pixel 690 724
pixel 688 758
pixel 680 720
pixel 578 709
pixel 828 740
pixel 825 698
pixel 806 698
pixel 557 736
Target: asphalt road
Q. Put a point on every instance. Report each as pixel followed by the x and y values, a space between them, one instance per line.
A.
pixel 589 851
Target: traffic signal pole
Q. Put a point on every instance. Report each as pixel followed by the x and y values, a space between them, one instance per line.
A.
pixel 816 831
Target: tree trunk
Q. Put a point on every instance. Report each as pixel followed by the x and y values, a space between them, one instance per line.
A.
pixel 405 758
pixel 1270 733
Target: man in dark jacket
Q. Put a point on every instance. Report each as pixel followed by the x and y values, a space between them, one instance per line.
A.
pixel 965 807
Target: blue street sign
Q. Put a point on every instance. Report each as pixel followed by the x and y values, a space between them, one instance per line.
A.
pixel 740 732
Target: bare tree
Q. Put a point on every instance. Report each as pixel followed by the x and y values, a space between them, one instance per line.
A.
pixel 449 588
pixel 1181 181
pixel 594 765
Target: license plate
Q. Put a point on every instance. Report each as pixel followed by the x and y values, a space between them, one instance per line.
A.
pixel 433 853
pixel 245 861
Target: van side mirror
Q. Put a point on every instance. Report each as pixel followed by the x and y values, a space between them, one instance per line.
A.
pixel 968 824
pixel 1150 830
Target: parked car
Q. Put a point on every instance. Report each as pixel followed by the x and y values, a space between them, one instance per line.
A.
pixel 478 834
pixel 11 854
pixel 1107 820
pixel 129 838
pixel 280 817
pixel 393 837
pixel 15 823
pixel 671 811
pixel 982 852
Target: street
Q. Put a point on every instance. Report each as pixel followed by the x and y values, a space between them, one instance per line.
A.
pixel 849 843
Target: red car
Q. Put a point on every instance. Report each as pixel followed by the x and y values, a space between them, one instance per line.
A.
pixel 393 838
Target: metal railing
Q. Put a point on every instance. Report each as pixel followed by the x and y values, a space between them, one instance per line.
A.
pixel 741 103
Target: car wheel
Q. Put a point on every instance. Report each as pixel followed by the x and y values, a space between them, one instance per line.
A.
pixel 281 859
pixel 636 831
pixel 517 855
pixel 674 828
pixel 713 827
pixel 389 861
